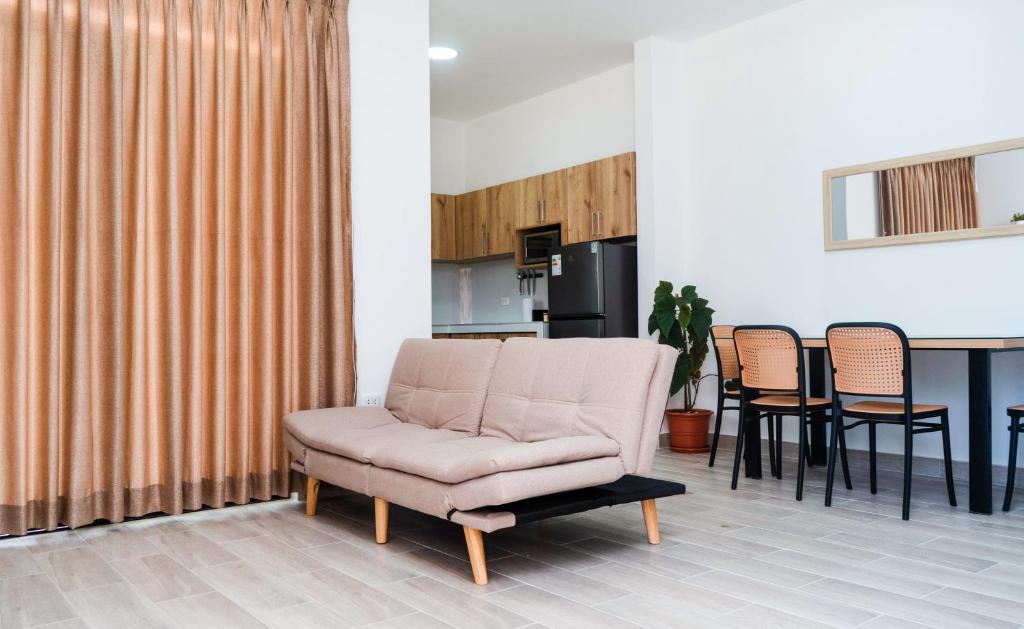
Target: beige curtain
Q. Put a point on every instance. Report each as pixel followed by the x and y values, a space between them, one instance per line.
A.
pixel 933 197
pixel 175 273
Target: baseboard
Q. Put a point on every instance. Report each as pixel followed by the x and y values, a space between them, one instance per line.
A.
pixel 924 466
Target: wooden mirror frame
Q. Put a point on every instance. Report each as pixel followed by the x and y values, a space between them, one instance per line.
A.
pixel 907 239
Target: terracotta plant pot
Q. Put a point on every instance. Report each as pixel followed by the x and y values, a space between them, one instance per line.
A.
pixel 688 430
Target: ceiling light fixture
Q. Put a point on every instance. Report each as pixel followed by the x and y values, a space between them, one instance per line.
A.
pixel 443 53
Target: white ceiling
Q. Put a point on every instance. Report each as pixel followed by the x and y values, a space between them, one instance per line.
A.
pixel 512 50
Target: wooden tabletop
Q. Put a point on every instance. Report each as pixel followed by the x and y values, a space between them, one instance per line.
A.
pixel 934 342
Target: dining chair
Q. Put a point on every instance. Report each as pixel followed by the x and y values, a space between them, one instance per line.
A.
pixel 772 380
pixel 1016 413
pixel 873 360
pixel 729 389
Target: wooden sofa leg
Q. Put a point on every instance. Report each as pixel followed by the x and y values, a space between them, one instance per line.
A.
pixel 475 545
pixel 380 516
pixel 312 492
pixel 651 521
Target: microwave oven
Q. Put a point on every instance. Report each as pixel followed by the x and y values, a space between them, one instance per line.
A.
pixel 538 243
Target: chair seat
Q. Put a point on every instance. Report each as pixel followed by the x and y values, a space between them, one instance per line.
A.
pixel 1016 410
pixel 790 401
pixel 870 407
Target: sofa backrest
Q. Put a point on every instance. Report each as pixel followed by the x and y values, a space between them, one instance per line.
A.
pixel 441 383
pixel 616 388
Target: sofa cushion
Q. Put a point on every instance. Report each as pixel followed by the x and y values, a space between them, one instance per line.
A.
pixel 442 383
pixel 544 389
pixel 323 427
pixel 458 460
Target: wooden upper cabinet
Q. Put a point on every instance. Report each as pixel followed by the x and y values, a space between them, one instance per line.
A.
pixel 602 199
pixel 470 237
pixel 442 227
pixel 540 200
pixel 501 205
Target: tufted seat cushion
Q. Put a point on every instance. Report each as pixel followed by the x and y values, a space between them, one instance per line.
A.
pixel 442 383
pixel 545 389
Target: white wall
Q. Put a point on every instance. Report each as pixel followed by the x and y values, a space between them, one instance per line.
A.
pixel 447 156
pixel 578 123
pixel 388 42
pixel 768 104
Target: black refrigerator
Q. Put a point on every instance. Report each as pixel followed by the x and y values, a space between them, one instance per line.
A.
pixel 592 290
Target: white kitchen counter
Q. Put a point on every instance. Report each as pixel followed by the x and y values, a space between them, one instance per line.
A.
pixel 539 327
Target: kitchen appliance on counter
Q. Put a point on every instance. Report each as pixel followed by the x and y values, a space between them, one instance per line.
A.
pixel 592 290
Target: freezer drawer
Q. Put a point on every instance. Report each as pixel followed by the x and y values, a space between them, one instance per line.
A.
pixel 572 328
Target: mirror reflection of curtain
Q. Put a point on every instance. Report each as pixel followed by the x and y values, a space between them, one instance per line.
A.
pixel 174 205
pixel 932 197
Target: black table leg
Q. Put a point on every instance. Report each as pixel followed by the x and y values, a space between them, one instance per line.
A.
pixel 752 446
pixel 979 378
pixel 816 388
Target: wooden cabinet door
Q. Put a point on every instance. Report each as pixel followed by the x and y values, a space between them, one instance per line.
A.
pixel 442 227
pixel 470 238
pixel 540 200
pixel 500 216
pixel 602 199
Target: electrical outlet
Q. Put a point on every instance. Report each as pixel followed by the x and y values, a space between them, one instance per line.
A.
pixel 504 301
pixel 371 399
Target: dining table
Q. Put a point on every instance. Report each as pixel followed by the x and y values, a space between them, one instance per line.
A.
pixel 979 392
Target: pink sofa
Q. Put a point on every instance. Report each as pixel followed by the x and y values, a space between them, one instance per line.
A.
pixel 471 426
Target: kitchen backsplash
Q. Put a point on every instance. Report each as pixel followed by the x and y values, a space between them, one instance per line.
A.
pixel 492 281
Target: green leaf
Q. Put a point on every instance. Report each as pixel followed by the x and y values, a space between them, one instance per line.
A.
pixel 700 324
pixel 681 374
pixel 664 308
pixel 675 337
pixel 684 316
pixel 652 324
pixel 686 295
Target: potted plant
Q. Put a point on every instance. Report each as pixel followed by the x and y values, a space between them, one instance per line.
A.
pixel 1018 218
pixel 683 321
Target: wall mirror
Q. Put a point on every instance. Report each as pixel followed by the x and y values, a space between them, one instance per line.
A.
pixel 973 192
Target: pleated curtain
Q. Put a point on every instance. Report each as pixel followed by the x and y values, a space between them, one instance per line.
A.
pixel 175 269
pixel 933 197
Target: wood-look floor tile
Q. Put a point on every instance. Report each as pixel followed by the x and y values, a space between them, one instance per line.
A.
pixel 806 545
pixel 450 540
pixel 656 614
pixel 979 603
pixel 563 557
pixel 79 568
pixel 118 541
pixel 854 573
pixel 659 562
pixel 17 561
pixel 350 598
pixel 760 568
pixel 368 566
pixel 910 551
pixel 46 542
pixel 442 601
pixel 194 549
pixel 696 540
pixel 949 577
pixel 304 616
pixel 456 573
pixel 160 577
pixel 118 605
pixel 928 612
pixel 418 620
pixel 288 528
pixel 795 602
pixel 554 611
pixel 251 588
pixel 31 600
pixel 570 585
pixel 768 618
pixel 680 595
pixel 209 610
pixel 224 528
pixel 273 556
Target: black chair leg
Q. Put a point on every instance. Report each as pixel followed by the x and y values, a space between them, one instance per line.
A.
pixel 807 446
pixel 739 445
pixel 947 458
pixel 778 446
pixel 872 449
pixel 772 463
pixel 830 473
pixel 1011 468
pixel 802 445
pixel 908 465
pixel 842 457
pixel 718 429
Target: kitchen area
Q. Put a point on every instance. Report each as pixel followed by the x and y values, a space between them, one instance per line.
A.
pixel 551 255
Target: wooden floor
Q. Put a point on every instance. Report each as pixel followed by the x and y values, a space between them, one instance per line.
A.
pixel 750 558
